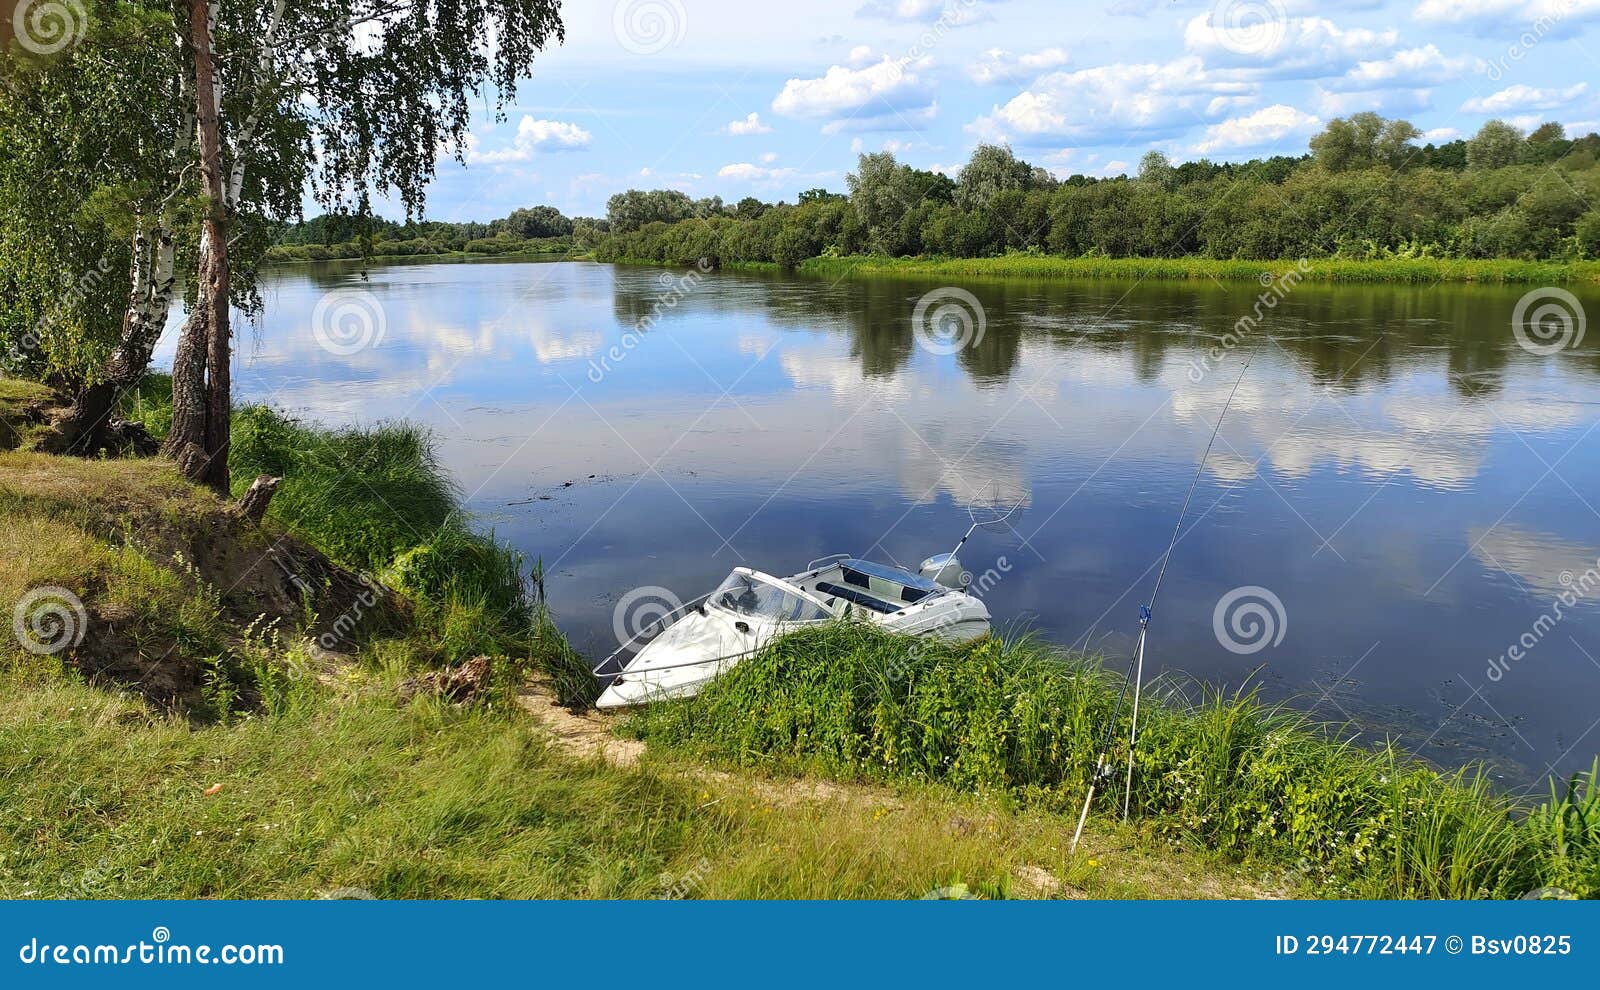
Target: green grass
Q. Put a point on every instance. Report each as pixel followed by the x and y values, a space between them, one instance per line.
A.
pixel 1400 270
pixel 15 396
pixel 322 793
pixel 1229 774
pixel 376 499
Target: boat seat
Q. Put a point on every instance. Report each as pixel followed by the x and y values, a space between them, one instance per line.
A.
pixel 882 584
pixel 852 595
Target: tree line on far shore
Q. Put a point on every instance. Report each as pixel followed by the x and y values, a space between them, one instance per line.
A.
pixel 1365 190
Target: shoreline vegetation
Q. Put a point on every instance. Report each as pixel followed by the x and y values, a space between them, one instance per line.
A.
pixel 1366 203
pixel 932 767
pixel 1416 271
pixel 1023 265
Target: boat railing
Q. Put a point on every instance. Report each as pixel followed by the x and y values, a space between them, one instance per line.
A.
pixel 642 639
pixel 829 559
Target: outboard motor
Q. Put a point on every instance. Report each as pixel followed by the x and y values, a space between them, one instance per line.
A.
pixel 945 570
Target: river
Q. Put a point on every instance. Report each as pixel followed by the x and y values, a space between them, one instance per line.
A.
pixel 1399 497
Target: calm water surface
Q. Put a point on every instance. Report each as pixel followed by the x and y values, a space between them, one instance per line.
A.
pixel 1414 488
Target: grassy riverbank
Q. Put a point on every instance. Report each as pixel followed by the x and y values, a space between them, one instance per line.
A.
pixel 1395 270
pixel 1227 775
pixel 1409 271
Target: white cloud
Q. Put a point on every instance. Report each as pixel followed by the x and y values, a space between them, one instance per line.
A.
pixel 952 12
pixel 1384 101
pixel 1257 130
pixel 1541 18
pixel 1283 47
pixel 1222 104
pixel 751 124
pixel 1412 67
pixel 999 66
pixel 1440 135
pixel 863 99
pixel 893 146
pixel 746 172
pixel 1460 11
pixel 1524 98
pixel 1108 103
pixel 533 137
pixel 768 157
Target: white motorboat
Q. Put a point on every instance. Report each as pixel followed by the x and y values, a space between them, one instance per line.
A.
pixel 686 649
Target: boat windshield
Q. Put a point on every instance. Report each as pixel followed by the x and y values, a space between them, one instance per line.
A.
pixel 750 594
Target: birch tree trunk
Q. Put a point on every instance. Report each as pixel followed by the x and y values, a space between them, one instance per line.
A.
pixel 201 408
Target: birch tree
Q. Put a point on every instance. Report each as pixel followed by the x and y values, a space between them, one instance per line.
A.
pixel 369 92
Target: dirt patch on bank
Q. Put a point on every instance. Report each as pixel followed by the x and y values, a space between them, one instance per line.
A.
pixel 145 559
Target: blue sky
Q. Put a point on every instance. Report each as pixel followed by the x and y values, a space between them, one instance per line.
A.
pixel 766 99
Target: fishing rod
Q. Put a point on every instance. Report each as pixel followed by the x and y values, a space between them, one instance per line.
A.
pixel 1135 672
